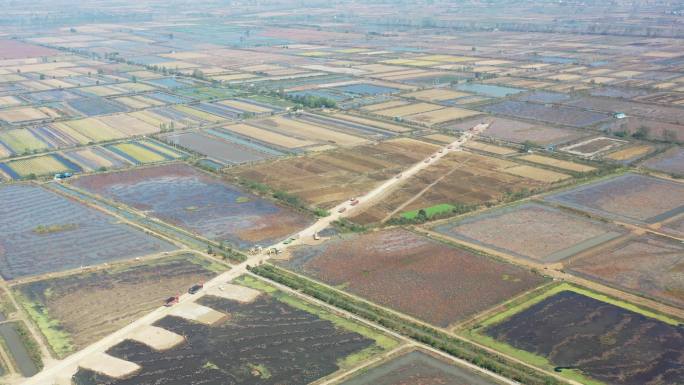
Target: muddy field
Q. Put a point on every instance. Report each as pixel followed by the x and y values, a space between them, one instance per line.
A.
pixel 532 231
pixel 326 179
pixel 568 116
pixel 604 341
pixel 88 306
pixel 43 232
pixel 672 161
pixel 412 274
pixel 199 202
pixel 263 342
pixel 417 367
pixel 646 264
pixel 517 131
pixel 460 178
pixel 221 150
pixel 629 197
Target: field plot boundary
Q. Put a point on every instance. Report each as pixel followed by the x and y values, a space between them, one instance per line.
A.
pixel 560 198
pixel 542 362
pixel 554 257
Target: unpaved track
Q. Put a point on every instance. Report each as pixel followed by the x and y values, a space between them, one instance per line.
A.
pixel 63 369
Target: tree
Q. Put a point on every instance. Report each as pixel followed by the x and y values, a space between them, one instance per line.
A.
pixel 641 133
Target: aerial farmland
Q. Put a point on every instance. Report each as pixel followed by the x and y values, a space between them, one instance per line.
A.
pixel 342 193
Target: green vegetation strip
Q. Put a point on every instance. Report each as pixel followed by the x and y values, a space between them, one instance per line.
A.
pixel 430 211
pixel 382 344
pixel 59 340
pixel 438 339
pixel 528 302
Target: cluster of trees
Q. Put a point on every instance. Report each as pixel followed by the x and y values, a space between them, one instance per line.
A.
pixel 312 101
pixel 423 333
pixel 227 252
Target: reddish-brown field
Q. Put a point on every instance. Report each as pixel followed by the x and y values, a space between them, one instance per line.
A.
pixel 646 264
pixel 12 49
pixel 412 274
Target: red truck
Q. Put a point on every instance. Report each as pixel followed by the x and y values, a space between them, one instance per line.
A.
pixel 171 301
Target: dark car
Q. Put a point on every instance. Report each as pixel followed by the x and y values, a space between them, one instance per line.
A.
pixel 195 288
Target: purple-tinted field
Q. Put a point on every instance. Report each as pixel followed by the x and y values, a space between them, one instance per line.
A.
pixel 631 197
pixel 44 232
pixel 645 264
pixel 531 231
pixel 518 132
pixel 672 161
pixel 568 116
pixel 199 202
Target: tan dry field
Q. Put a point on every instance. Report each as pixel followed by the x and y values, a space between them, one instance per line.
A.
pixel 133 102
pixel 269 136
pixel 326 179
pixel 441 116
pixel 308 131
pixel 558 163
pixel 9 101
pixel 129 125
pixel 156 119
pixel 459 178
pixel 630 152
pixel 538 174
pixel 436 94
pixel 22 114
pixel 371 122
pixel 384 105
pixel 411 109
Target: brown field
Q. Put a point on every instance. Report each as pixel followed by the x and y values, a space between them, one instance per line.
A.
pixel 90 305
pixel 646 264
pixel 413 274
pixel 268 136
pixel 458 178
pixel 558 163
pixel 531 231
pixel 326 179
pixel 440 116
pixel 308 131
